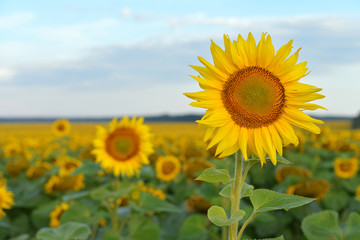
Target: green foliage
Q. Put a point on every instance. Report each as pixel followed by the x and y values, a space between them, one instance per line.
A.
pixel 264 200
pixel 143 228
pixel 246 190
pixel 67 231
pixel 214 176
pixel 325 226
pixel 149 204
pixel 218 216
pixel 102 193
pixel 194 227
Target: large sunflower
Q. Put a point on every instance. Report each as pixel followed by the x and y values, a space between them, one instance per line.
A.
pixel 124 147
pixel 253 97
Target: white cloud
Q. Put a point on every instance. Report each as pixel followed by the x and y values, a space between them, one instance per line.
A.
pixel 16 19
pixel 6 74
pixel 125 12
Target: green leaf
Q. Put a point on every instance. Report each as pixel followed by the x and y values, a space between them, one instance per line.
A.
pixel 218 216
pixel 149 203
pixel 40 216
pixel 322 226
pixel 80 212
pixel 246 190
pixel 111 234
pixel 277 238
pixel 336 200
pixel 75 195
pixel 67 231
pixel 214 175
pixel 87 168
pixel 194 227
pixel 21 237
pixel 352 231
pixel 105 193
pixel 143 228
pixel 264 200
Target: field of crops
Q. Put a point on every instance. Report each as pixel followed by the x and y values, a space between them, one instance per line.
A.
pixel 51 185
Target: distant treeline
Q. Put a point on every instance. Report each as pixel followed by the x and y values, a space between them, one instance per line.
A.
pixel 160 118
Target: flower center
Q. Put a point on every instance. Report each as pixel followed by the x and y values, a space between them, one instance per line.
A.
pixel 254 97
pixel 122 144
pixel 345 167
pixel 168 167
pixel 61 127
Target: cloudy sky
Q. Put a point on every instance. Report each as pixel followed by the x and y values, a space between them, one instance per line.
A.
pixel 111 57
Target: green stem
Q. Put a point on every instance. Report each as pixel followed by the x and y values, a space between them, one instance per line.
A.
pixel 245 224
pixel 236 192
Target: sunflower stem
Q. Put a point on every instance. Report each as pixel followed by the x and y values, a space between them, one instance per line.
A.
pixel 236 192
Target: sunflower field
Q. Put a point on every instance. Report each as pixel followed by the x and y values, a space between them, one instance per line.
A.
pixel 53 186
pixel 255 167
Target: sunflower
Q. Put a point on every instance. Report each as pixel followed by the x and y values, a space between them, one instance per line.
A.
pixel 285 171
pixel 67 165
pixel 312 189
pixel 167 168
pixel 6 198
pixel 38 170
pixel 253 97
pixel 153 191
pixel 346 168
pixel 61 127
pixel 66 183
pixel 124 147
pixel 56 214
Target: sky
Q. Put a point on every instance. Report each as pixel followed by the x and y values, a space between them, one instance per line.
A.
pixel 88 58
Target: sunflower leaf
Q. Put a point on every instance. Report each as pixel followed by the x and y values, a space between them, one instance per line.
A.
pixel 218 216
pixel 246 190
pixel 322 225
pixel 264 200
pixel 66 231
pixel 214 175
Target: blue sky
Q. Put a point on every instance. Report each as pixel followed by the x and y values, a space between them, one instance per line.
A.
pixel 107 58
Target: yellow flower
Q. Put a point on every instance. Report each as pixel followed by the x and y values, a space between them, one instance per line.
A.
pixel 253 97
pixel 153 191
pixel 167 168
pixel 6 198
pixel 61 184
pixel 12 149
pixel 17 166
pixel 313 189
pixel 38 170
pixel 67 165
pixel 124 148
pixel 55 215
pixel 346 168
pixel 285 171
pixel 61 127
pixel 357 193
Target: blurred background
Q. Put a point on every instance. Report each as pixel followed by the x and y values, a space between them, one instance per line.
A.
pixel 110 58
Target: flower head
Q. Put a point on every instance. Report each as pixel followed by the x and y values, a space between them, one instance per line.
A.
pixel 253 97
pixel 124 148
